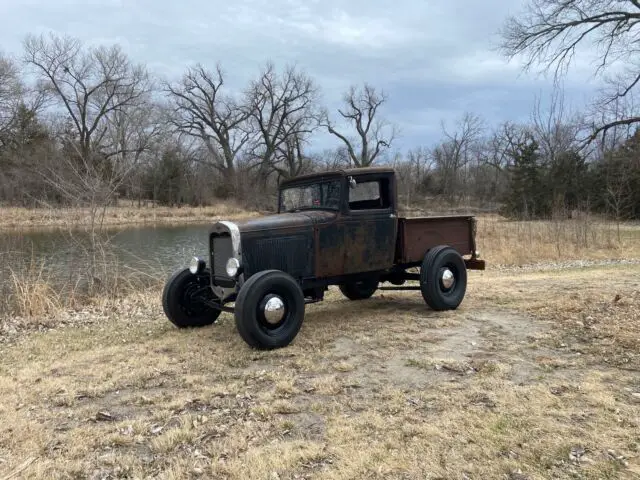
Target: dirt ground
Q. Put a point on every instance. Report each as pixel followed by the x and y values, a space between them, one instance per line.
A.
pixel 535 376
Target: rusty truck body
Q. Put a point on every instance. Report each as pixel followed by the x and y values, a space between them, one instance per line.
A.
pixel 333 228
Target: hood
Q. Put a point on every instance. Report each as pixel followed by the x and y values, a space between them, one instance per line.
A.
pixel 296 220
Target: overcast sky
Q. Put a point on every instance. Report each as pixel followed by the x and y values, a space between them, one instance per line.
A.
pixel 434 58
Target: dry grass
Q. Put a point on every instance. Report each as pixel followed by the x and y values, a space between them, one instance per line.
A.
pixel 598 309
pixel 34 296
pixel 509 386
pixel 32 293
pixel 15 217
pixel 535 377
pixel 518 242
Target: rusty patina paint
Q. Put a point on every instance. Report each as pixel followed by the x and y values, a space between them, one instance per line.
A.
pixel 369 242
pixel 344 242
pixel 326 248
pixel 330 249
pixel 275 223
pixel 317 177
pixel 417 235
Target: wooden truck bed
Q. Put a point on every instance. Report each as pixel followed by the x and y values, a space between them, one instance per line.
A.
pixel 419 234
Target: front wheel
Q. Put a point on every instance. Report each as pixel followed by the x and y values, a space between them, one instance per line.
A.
pixel 269 310
pixel 185 300
pixel 443 278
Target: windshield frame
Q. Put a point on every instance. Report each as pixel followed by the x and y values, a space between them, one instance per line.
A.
pixel 320 181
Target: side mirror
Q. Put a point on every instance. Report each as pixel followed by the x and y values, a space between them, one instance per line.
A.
pixel 352 182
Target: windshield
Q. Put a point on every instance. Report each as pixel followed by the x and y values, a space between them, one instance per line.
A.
pixel 317 195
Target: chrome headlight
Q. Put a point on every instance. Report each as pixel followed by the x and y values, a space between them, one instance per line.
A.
pixel 197 265
pixel 233 265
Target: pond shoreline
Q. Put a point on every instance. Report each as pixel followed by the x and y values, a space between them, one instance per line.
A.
pixel 19 218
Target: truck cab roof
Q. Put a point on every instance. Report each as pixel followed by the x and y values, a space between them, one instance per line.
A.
pixel 343 172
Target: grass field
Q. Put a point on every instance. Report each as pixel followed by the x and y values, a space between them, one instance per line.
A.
pixel 125 214
pixel 535 376
pixel 504 242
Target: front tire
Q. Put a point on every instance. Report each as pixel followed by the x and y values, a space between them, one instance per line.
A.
pixel 359 290
pixel 269 310
pixel 182 300
pixel 443 278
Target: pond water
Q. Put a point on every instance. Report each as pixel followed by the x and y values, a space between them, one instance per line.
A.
pixel 148 250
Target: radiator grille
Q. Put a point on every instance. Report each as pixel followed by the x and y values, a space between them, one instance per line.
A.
pixel 221 251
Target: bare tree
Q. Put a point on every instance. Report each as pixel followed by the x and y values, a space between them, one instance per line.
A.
pixel 330 159
pixel 413 172
pixel 554 129
pixel 202 110
pixel 94 86
pixel 498 152
pixel 373 134
pixel 10 88
pixel 16 98
pixel 455 152
pixel 23 137
pixel 283 109
pixel 90 84
pixel 132 132
pixel 617 135
pixel 421 161
pixel 503 145
pixel 10 93
pixel 618 191
pixel 549 32
pixel 291 159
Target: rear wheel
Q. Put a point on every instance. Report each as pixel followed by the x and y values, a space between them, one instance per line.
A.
pixel 185 297
pixel 269 310
pixel 359 290
pixel 443 278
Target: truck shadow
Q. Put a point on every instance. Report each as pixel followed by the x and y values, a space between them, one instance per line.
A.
pixel 385 307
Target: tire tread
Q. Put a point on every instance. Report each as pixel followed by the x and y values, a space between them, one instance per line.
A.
pixel 171 299
pixel 245 321
pixel 429 288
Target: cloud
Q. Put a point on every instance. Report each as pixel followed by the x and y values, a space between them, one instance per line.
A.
pixel 436 59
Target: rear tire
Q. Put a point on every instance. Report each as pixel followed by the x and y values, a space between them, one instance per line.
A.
pixel 360 290
pixel 269 330
pixel 180 302
pixel 443 278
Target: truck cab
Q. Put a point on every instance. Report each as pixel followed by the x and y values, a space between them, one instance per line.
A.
pixel 331 228
pixel 360 235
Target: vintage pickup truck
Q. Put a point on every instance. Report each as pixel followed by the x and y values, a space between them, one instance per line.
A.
pixel 331 228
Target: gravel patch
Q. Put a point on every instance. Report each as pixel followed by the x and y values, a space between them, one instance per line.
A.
pixel 564 265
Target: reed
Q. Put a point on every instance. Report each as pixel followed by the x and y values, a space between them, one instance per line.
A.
pixel 32 292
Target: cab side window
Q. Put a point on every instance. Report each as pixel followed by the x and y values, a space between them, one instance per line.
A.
pixel 369 194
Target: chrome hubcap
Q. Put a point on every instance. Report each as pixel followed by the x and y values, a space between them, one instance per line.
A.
pixel 274 310
pixel 447 278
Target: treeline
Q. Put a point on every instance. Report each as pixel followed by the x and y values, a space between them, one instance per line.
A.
pixel 87 126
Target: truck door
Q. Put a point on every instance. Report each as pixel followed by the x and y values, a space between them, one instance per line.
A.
pixel 370 224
